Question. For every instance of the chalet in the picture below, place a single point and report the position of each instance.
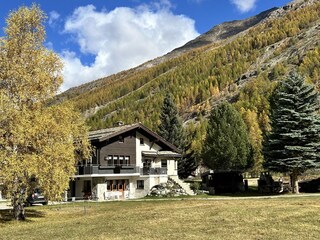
(128, 160)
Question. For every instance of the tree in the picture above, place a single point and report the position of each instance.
(250, 118)
(292, 146)
(226, 145)
(188, 163)
(170, 127)
(37, 141)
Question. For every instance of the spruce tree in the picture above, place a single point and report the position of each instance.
(188, 164)
(226, 146)
(170, 127)
(293, 144)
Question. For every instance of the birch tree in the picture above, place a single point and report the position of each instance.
(37, 141)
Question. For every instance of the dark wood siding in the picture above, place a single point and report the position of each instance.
(114, 147)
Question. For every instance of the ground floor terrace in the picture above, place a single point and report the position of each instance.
(110, 187)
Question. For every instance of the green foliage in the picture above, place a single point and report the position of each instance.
(227, 143)
(293, 144)
(188, 164)
(170, 127)
(195, 186)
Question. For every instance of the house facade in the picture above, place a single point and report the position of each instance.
(127, 161)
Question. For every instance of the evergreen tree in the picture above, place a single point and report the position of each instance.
(170, 127)
(188, 164)
(293, 144)
(227, 143)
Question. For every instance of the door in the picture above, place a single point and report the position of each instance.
(86, 189)
(118, 187)
(72, 187)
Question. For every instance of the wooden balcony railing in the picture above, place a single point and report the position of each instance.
(119, 169)
(103, 169)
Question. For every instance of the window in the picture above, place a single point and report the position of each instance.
(87, 186)
(114, 185)
(121, 159)
(140, 184)
(115, 160)
(110, 161)
(164, 163)
(126, 160)
(141, 141)
(147, 163)
(109, 183)
(120, 185)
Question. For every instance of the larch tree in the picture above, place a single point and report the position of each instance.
(37, 141)
(292, 146)
(250, 118)
(227, 145)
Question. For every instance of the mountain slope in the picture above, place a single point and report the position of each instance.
(217, 65)
(216, 34)
(225, 30)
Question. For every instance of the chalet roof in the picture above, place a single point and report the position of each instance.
(108, 133)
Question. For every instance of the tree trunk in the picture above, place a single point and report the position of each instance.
(294, 182)
(18, 207)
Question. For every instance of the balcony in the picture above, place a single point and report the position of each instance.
(153, 171)
(119, 169)
(103, 169)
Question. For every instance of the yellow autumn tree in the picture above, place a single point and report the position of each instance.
(37, 142)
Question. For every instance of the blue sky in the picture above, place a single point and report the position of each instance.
(100, 37)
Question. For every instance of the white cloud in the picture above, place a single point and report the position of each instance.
(121, 39)
(244, 5)
(53, 17)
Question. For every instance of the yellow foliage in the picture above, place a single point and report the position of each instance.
(36, 141)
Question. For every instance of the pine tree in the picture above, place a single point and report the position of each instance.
(293, 144)
(36, 141)
(227, 143)
(170, 127)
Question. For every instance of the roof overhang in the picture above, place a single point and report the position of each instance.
(161, 154)
(107, 134)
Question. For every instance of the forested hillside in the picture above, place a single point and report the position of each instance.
(241, 68)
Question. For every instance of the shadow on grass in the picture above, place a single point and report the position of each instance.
(6, 215)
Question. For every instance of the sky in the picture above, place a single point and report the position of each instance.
(98, 38)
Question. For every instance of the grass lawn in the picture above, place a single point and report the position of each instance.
(273, 218)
